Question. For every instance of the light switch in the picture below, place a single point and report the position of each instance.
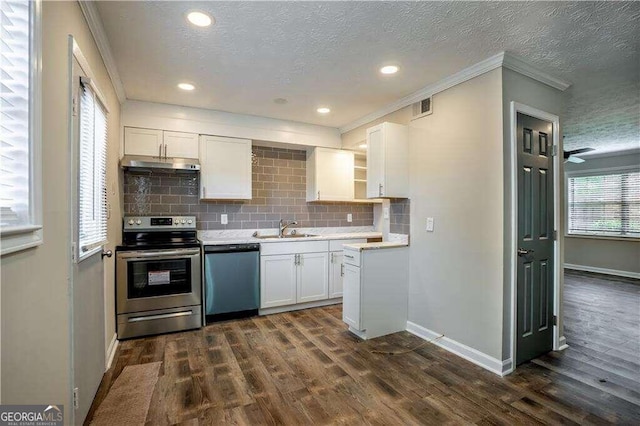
(385, 212)
(349, 217)
(224, 219)
(429, 224)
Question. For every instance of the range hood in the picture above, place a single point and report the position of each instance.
(147, 162)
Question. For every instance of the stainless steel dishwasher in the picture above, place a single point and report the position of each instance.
(231, 281)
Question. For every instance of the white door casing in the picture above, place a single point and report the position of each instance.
(559, 341)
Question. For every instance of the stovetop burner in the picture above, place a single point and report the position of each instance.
(159, 232)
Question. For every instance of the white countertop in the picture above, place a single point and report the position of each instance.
(244, 236)
(375, 246)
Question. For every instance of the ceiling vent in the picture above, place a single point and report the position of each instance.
(422, 108)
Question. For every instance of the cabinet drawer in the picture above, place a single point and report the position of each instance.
(336, 245)
(352, 257)
(272, 248)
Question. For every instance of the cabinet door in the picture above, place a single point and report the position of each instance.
(375, 162)
(277, 280)
(225, 168)
(334, 175)
(313, 277)
(142, 142)
(335, 274)
(180, 145)
(351, 298)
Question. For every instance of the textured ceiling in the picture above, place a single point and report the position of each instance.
(328, 53)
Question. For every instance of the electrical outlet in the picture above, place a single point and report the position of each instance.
(429, 224)
(349, 218)
(224, 219)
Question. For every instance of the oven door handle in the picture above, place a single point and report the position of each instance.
(161, 316)
(157, 254)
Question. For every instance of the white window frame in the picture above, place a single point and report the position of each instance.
(587, 173)
(31, 235)
(79, 254)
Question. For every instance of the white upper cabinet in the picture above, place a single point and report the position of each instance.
(180, 145)
(330, 175)
(225, 168)
(159, 143)
(388, 161)
(142, 142)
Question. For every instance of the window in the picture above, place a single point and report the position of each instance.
(92, 190)
(605, 204)
(20, 211)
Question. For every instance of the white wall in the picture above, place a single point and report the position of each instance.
(219, 123)
(456, 170)
(35, 288)
(616, 255)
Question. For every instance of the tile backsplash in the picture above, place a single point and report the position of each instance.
(279, 191)
(399, 217)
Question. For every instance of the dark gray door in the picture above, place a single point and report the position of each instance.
(535, 238)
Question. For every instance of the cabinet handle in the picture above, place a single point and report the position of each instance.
(331, 258)
(165, 151)
(160, 151)
(342, 269)
(295, 259)
(348, 256)
(318, 195)
(380, 190)
(204, 192)
(300, 259)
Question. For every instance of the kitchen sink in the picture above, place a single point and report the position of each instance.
(275, 237)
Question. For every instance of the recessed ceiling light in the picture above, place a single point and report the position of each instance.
(323, 110)
(362, 145)
(389, 69)
(199, 19)
(186, 86)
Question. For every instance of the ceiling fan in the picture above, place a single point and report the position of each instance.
(570, 156)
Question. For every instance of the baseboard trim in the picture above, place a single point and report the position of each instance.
(485, 361)
(111, 351)
(616, 272)
(280, 309)
(562, 343)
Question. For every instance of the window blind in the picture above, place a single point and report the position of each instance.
(606, 204)
(92, 191)
(15, 113)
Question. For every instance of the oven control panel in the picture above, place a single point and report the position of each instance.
(159, 222)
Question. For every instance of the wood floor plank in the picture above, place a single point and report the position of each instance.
(304, 367)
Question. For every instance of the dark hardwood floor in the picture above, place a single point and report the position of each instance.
(305, 368)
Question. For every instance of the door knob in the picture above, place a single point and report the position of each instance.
(107, 253)
(524, 252)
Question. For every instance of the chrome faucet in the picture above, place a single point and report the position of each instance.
(284, 226)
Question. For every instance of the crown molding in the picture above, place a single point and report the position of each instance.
(502, 59)
(100, 36)
(518, 65)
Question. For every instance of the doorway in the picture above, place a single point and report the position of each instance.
(87, 270)
(535, 248)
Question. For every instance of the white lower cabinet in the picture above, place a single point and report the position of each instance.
(295, 273)
(278, 280)
(376, 290)
(313, 279)
(351, 300)
(336, 272)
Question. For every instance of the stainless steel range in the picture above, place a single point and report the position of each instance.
(158, 276)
